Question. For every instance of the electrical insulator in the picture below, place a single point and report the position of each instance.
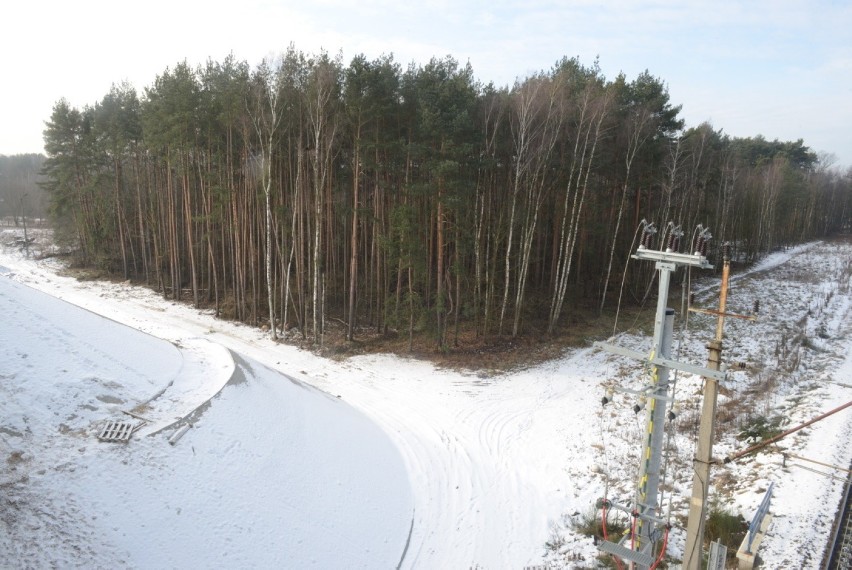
(701, 245)
(702, 238)
(726, 251)
(691, 299)
(648, 232)
(674, 411)
(640, 405)
(756, 308)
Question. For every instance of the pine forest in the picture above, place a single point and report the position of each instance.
(413, 200)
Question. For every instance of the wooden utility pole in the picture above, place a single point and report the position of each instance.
(692, 554)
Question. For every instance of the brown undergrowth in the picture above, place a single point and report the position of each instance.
(464, 349)
(467, 350)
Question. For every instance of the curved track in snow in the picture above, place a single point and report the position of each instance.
(475, 449)
(273, 474)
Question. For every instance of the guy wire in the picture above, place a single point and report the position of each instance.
(624, 278)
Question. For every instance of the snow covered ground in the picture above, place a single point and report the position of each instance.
(392, 461)
(272, 474)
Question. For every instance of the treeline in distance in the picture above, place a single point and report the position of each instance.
(415, 199)
(20, 192)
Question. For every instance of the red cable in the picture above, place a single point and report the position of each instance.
(662, 550)
(633, 531)
(603, 526)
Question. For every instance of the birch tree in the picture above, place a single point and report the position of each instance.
(322, 96)
(592, 106)
(266, 111)
(646, 115)
(536, 125)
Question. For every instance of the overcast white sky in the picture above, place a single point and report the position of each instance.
(779, 68)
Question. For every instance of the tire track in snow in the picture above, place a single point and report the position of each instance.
(470, 448)
(205, 370)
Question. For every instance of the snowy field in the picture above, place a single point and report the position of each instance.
(377, 461)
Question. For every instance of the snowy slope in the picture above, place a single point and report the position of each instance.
(499, 464)
(272, 474)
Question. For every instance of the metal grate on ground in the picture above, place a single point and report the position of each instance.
(114, 431)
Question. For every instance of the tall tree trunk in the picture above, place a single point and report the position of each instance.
(439, 266)
(353, 245)
(638, 132)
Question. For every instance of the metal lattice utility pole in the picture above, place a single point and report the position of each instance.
(640, 551)
(651, 458)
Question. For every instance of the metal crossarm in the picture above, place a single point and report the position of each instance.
(662, 361)
(625, 553)
(672, 257)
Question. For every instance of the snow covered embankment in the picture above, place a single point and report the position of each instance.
(273, 474)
